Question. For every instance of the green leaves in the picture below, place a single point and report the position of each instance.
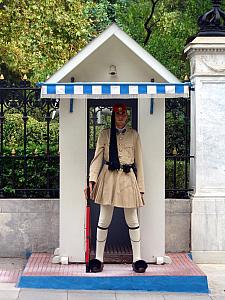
(175, 21)
(38, 39)
(36, 135)
(37, 170)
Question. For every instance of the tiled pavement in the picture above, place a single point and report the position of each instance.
(39, 264)
(11, 269)
(34, 294)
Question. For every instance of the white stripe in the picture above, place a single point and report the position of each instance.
(151, 89)
(133, 90)
(44, 90)
(60, 89)
(96, 89)
(186, 89)
(115, 90)
(170, 89)
(78, 89)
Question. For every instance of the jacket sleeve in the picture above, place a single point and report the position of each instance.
(96, 162)
(139, 164)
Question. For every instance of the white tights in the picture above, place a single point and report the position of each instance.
(105, 217)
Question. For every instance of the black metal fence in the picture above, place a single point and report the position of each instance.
(29, 155)
(177, 151)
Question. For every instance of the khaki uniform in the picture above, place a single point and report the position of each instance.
(118, 188)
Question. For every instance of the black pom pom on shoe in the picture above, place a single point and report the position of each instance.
(96, 265)
(139, 266)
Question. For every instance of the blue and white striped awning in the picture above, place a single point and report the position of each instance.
(114, 90)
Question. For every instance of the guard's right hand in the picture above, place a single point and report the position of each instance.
(91, 186)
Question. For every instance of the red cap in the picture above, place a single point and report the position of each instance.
(119, 108)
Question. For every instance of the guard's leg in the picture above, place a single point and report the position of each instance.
(104, 221)
(131, 217)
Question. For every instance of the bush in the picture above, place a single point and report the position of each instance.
(36, 135)
(178, 167)
(29, 167)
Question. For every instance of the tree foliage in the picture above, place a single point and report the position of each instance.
(175, 21)
(36, 135)
(37, 38)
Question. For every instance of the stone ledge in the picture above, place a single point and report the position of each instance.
(178, 206)
(32, 225)
(29, 205)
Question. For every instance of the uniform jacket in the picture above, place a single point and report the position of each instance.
(118, 188)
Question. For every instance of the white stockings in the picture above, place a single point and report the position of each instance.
(104, 221)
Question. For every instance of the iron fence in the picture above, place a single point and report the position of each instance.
(29, 158)
(177, 149)
(29, 155)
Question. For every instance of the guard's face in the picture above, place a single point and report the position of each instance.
(121, 119)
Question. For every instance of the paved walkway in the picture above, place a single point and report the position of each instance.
(8, 292)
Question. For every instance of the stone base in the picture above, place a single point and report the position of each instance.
(182, 275)
(207, 229)
(208, 257)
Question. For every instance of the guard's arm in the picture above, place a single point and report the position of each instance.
(139, 164)
(96, 162)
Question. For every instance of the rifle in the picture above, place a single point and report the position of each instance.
(88, 230)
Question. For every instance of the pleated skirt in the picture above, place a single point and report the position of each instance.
(117, 188)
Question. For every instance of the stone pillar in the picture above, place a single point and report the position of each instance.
(207, 59)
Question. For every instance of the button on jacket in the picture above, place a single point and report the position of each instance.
(118, 188)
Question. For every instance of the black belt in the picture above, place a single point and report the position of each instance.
(125, 167)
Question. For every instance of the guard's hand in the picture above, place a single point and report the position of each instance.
(91, 186)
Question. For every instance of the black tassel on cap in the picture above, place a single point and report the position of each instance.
(114, 163)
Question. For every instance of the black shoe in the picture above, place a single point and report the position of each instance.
(96, 265)
(139, 266)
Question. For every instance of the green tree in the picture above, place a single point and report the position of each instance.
(39, 37)
(175, 21)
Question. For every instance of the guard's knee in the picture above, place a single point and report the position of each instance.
(105, 216)
(131, 217)
(103, 223)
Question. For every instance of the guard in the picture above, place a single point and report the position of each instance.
(119, 184)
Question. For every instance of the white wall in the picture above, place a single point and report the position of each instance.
(129, 66)
(72, 179)
(207, 56)
(152, 215)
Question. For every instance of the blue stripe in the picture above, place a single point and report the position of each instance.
(188, 284)
(124, 89)
(179, 89)
(88, 89)
(160, 89)
(69, 89)
(106, 89)
(142, 89)
(51, 89)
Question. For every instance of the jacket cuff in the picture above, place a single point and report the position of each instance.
(93, 177)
